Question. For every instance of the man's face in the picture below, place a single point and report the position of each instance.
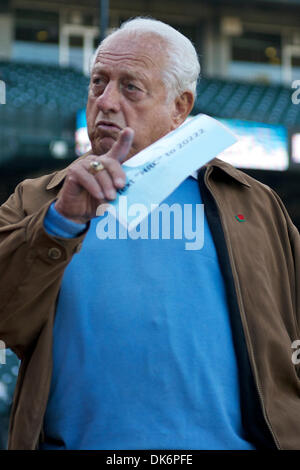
(126, 90)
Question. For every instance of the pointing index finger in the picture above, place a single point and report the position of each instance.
(121, 147)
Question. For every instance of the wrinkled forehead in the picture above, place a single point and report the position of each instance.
(139, 49)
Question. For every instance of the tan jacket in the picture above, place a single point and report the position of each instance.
(260, 259)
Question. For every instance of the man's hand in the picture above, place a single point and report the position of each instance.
(83, 192)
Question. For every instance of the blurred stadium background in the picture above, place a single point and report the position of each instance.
(250, 58)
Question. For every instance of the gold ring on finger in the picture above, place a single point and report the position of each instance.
(95, 167)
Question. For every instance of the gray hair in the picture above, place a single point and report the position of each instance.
(182, 69)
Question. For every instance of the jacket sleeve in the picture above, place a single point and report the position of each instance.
(32, 264)
(295, 245)
(294, 239)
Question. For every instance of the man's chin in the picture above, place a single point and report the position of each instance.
(104, 145)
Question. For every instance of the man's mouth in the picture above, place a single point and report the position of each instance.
(108, 126)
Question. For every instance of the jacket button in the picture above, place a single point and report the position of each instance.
(54, 253)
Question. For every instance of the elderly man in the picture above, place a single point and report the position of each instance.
(140, 344)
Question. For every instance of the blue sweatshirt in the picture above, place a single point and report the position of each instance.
(143, 351)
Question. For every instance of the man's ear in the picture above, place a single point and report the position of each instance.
(183, 105)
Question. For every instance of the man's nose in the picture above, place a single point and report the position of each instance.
(109, 100)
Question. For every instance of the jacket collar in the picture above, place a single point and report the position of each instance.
(60, 175)
(230, 170)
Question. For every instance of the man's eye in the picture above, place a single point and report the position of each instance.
(131, 87)
(97, 81)
(98, 85)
